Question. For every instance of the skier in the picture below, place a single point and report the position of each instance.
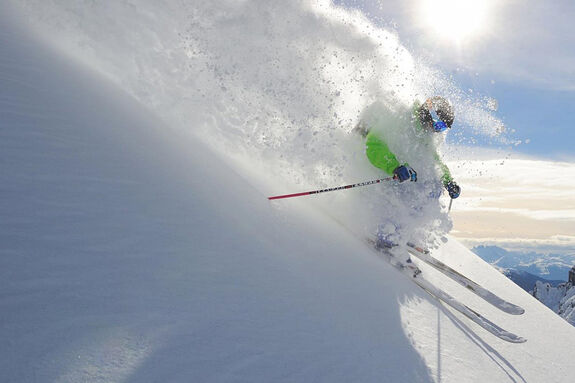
(412, 136)
(435, 115)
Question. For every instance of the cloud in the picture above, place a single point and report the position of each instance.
(554, 245)
(528, 41)
(515, 201)
(533, 43)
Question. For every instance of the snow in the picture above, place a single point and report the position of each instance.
(567, 310)
(545, 266)
(135, 252)
(560, 299)
(273, 83)
(550, 296)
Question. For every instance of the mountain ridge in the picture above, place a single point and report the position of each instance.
(545, 266)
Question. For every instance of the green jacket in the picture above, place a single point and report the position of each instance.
(382, 157)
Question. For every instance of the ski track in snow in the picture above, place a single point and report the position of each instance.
(133, 253)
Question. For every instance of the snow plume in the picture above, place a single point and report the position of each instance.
(275, 83)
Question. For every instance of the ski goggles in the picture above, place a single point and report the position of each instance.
(439, 126)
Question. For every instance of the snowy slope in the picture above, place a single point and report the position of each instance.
(132, 252)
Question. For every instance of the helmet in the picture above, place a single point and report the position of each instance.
(440, 117)
(444, 110)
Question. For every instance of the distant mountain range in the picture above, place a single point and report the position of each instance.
(548, 267)
(527, 280)
(546, 277)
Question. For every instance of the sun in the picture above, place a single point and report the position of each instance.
(456, 20)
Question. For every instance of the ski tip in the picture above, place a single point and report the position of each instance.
(512, 338)
(512, 309)
(520, 311)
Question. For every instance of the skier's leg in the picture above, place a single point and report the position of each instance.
(389, 238)
(387, 235)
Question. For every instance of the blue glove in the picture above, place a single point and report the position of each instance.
(404, 173)
(453, 189)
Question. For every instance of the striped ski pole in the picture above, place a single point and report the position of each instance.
(331, 189)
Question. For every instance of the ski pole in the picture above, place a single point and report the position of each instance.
(331, 189)
(450, 203)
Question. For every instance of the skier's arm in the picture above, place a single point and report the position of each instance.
(380, 155)
(444, 170)
(452, 188)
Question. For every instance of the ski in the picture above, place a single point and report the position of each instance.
(447, 299)
(464, 281)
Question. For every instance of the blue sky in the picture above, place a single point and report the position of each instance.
(543, 116)
(523, 56)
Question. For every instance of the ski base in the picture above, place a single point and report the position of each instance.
(469, 284)
(447, 299)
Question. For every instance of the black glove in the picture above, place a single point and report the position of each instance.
(404, 173)
(453, 189)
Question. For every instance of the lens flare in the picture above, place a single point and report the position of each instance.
(456, 20)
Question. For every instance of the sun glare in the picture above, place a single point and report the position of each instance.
(456, 20)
